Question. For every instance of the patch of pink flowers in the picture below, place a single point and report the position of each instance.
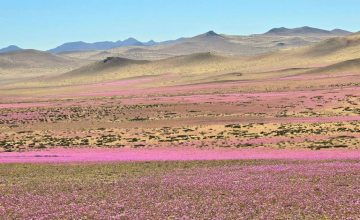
(172, 154)
(257, 190)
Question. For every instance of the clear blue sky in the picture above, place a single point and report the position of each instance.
(44, 24)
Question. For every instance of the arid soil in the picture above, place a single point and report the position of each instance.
(302, 112)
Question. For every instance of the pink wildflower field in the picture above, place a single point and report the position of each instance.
(173, 154)
(278, 148)
(320, 188)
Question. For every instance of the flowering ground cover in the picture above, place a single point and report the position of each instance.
(226, 146)
(293, 119)
(183, 153)
(230, 189)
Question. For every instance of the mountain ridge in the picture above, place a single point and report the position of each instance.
(10, 48)
(335, 55)
(306, 30)
(106, 45)
(324, 53)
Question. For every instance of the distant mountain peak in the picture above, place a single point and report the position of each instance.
(10, 48)
(337, 29)
(211, 34)
(131, 38)
(278, 29)
(341, 32)
(306, 30)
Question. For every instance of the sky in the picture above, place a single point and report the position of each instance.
(45, 24)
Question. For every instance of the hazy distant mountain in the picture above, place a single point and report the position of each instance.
(341, 32)
(93, 46)
(222, 44)
(10, 48)
(232, 45)
(130, 42)
(344, 50)
(154, 43)
(306, 31)
(74, 46)
(211, 34)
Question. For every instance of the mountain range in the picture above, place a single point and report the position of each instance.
(222, 44)
(107, 45)
(335, 55)
(200, 58)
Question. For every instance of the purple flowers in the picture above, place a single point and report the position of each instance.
(248, 189)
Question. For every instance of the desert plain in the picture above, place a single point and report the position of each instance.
(204, 135)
